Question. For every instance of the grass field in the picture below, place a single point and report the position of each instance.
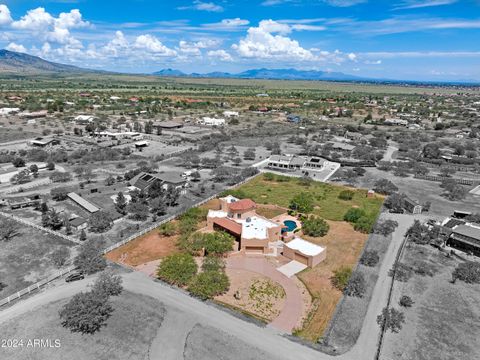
(26, 259)
(325, 196)
(128, 334)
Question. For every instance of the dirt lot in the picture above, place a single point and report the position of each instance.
(443, 321)
(344, 246)
(258, 294)
(128, 334)
(26, 259)
(149, 247)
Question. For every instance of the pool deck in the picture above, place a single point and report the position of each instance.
(285, 217)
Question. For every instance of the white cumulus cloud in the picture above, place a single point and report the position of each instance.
(5, 17)
(221, 55)
(16, 47)
(151, 44)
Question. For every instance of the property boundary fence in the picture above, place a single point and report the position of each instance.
(441, 178)
(38, 227)
(36, 286)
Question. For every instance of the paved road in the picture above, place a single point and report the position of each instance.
(187, 311)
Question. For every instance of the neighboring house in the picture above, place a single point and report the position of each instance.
(229, 114)
(466, 237)
(141, 144)
(212, 121)
(315, 163)
(398, 122)
(167, 125)
(119, 135)
(352, 135)
(44, 142)
(34, 115)
(286, 162)
(412, 206)
(83, 119)
(144, 181)
(78, 223)
(8, 111)
(237, 217)
(83, 203)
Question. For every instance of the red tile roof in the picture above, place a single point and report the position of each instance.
(229, 225)
(245, 204)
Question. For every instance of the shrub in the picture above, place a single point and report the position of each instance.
(356, 285)
(346, 195)
(391, 319)
(100, 222)
(59, 193)
(167, 229)
(177, 269)
(268, 176)
(402, 272)
(60, 256)
(218, 243)
(108, 284)
(370, 258)
(468, 272)
(385, 187)
(386, 227)
(208, 284)
(364, 224)
(90, 257)
(315, 226)
(213, 263)
(406, 301)
(340, 277)
(302, 202)
(353, 215)
(86, 312)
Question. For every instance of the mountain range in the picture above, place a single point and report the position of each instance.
(274, 74)
(16, 63)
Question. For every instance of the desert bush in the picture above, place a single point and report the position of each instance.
(346, 195)
(356, 285)
(177, 269)
(406, 301)
(208, 284)
(340, 277)
(468, 271)
(370, 258)
(315, 226)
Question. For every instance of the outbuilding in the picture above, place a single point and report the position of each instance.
(304, 252)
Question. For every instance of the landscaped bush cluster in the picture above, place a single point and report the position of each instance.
(370, 258)
(213, 243)
(346, 195)
(361, 221)
(315, 226)
(340, 278)
(356, 285)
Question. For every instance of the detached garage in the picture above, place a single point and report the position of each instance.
(304, 252)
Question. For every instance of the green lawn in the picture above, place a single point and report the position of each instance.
(282, 189)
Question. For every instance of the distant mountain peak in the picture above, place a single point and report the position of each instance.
(264, 73)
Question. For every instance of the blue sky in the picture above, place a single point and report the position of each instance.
(397, 39)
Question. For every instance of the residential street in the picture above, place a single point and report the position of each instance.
(183, 312)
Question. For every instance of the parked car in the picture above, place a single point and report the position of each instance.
(74, 277)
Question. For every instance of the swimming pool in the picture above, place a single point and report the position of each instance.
(290, 224)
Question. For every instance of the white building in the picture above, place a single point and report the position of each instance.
(8, 111)
(84, 118)
(212, 121)
(229, 114)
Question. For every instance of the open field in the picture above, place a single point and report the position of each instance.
(128, 334)
(443, 321)
(27, 258)
(344, 246)
(325, 196)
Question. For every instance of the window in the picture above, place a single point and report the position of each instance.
(239, 216)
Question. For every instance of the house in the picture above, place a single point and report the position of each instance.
(286, 162)
(78, 223)
(8, 111)
(34, 115)
(44, 142)
(253, 233)
(144, 181)
(212, 121)
(412, 206)
(466, 237)
(85, 204)
(167, 125)
(141, 144)
(353, 135)
(315, 163)
(83, 119)
(398, 122)
(304, 252)
(230, 114)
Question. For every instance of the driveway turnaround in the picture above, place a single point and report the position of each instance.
(291, 314)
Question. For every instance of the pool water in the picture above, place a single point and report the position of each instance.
(290, 224)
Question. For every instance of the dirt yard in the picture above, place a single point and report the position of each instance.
(258, 295)
(149, 247)
(443, 321)
(344, 246)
